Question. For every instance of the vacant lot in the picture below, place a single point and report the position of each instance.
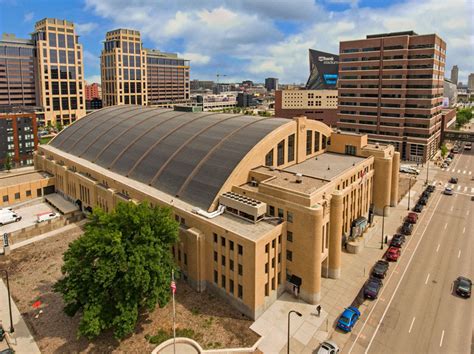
(36, 267)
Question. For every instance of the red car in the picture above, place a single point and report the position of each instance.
(392, 254)
(412, 218)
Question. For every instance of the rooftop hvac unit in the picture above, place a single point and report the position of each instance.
(299, 178)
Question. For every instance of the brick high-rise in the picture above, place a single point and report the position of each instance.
(391, 87)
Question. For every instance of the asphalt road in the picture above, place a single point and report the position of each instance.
(418, 311)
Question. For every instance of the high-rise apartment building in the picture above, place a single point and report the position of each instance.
(93, 91)
(271, 83)
(470, 82)
(455, 74)
(167, 78)
(123, 68)
(60, 71)
(17, 73)
(391, 88)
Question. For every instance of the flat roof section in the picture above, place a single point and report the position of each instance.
(15, 179)
(326, 166)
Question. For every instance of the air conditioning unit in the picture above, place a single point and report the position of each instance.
(299, 178)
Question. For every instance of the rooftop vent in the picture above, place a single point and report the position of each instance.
(299, 178)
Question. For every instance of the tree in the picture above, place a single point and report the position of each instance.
(444, 150)
(463, 116)
(59, 126)
(120, 266)
(8, 162)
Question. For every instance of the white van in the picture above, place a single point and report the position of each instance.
(6, 210)
(46, 216)
(7, 218)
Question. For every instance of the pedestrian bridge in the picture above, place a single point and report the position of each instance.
(457, 135)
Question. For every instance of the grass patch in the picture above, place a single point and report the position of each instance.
(43, 141)
(195, 311)
(163, 335)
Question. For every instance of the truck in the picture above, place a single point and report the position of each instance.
(7, 218)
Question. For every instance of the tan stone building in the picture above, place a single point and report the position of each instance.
(263, 203)
(60, 71)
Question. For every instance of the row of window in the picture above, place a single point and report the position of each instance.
(17, 195)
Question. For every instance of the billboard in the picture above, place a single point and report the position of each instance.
(323, 70)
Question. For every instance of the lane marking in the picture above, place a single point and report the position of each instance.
(463, 230)
(470, 172)
(459, 254)
(465, 189)
(411, 326)
(459, 171)
(437, 248)
(452, 208)
(427, 277)
(459, 187)
(441, 341)
(445, 226)
(396, 288)
(463, 172)
(467, 213)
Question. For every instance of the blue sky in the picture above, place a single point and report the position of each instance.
(249, 39)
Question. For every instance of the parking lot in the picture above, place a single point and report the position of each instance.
(28, 216)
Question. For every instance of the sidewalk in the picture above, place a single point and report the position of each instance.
(21, 341)
(336, 294)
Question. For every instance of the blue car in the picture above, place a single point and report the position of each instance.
(348, 319)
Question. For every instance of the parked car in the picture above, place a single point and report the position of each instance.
(463, 287)
(393, 253)
(7, 218)
(46, 216)
(444, 165)
(412, 217)
(348, 319)
(448, 191)
(407, 228)
(423, 200)
(397, 241)
(372, 288)
(418, 208)
(453, 180)
(328, 347)
(431, 188)
(380, 269)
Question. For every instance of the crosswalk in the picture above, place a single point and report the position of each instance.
(456, 187)
(456, 170)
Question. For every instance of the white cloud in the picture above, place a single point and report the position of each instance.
(91, 60)
(242, 38)
(196, 58)
(28, 16)
(93, 78)
(85, 28)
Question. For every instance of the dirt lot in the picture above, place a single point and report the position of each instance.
(35, 268)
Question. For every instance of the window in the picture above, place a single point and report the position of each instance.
(289, 255)
(266, 267)
(240, 269)
(309, 142)
(215, 237)
(231, 264)
(17, 195)
(269, 158)
(267, 248)
(28, 193)
(231, 245)
(271, 210)
(289, 236)
(240, 292)
(323, 145)
(289, 216)
(280, 213)
(350, 150)
(62, 56)
(231, 286)
(71, 57)
(53, 56)
(316, 141)
(222, 241)
(266, 289)
(215, 276)
(38, 193)
(240, 249)
(52, 39)
(273, 243)
(5, 198)
(215, 256)
(70, 41)
(223, 260)
(223, 281)
(291, 148)
(281, 153)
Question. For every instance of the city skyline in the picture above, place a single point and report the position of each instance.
(249, 41)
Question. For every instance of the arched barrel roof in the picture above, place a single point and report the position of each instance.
(189, 155)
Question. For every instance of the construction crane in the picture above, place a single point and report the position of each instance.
(218, 76)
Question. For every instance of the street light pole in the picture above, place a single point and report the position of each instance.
(289, 313)
(427, 169)
(383, 224)
(12, 329)
(409, 192)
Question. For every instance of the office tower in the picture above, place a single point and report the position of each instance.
(17, 73)
(18, 138)
(271, 84)
(167, 78)
(123, 68)
(470, 82)
(455, 74)
(60, 71)
(391, 88)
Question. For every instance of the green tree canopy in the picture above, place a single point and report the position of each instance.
(463, 116)
(7, 162)
(120, 266)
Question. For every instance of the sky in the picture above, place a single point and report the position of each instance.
(250, 39)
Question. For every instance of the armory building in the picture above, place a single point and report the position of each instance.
(263, 203)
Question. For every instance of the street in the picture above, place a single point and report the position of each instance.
(418, 311)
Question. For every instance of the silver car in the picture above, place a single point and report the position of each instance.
(328, 347)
